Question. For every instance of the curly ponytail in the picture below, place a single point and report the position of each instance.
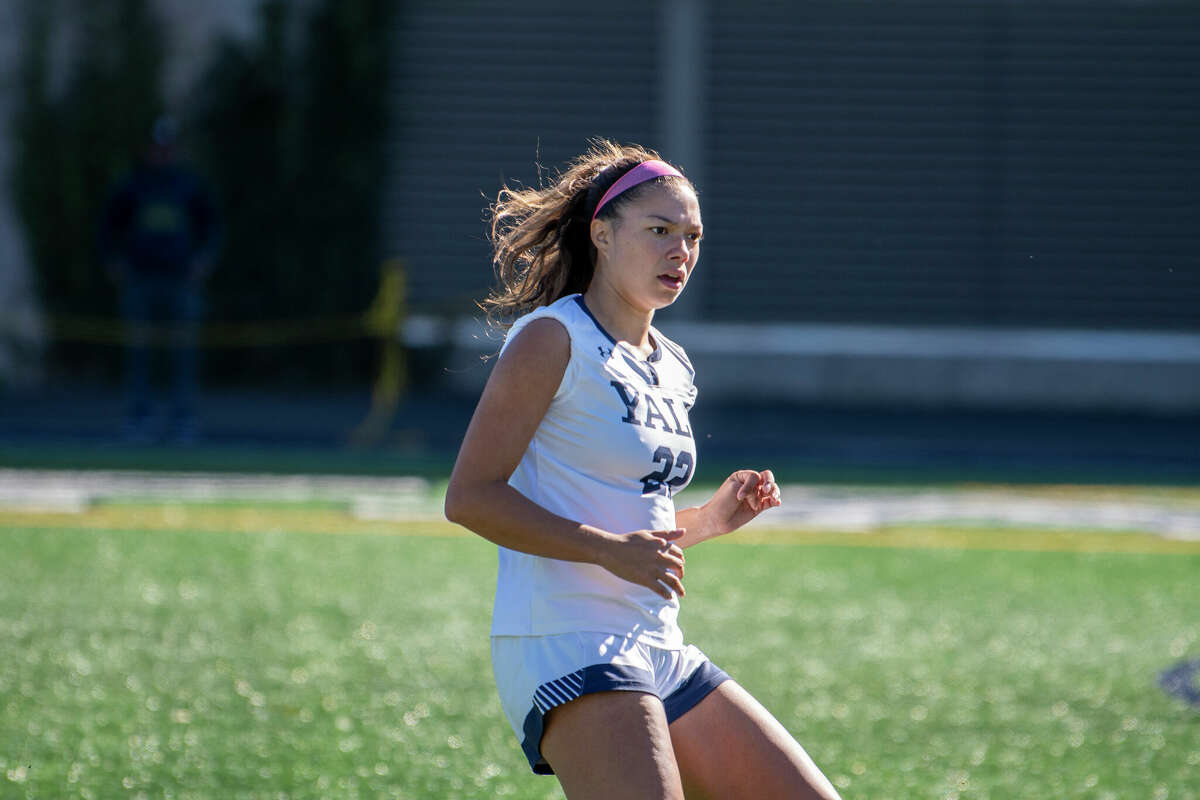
(541, 237)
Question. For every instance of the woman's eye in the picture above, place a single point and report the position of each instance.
(659, 229)
(695, 237)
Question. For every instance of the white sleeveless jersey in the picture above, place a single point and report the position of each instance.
(613, 449)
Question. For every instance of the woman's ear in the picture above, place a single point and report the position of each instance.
(601, 233)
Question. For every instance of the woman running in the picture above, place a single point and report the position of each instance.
(578, 445)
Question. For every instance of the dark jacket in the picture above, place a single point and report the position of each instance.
(159, 222)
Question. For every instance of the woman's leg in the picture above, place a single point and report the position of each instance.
(728, 745)
(612, 744)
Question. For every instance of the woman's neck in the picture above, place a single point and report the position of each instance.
(622, 321)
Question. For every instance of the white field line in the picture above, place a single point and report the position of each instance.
(76, 490)
(829, 508)
(863, 509)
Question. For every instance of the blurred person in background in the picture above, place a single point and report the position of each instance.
(571, 463)
(159, 238)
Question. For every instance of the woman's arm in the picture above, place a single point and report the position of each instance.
(743, 496)
(516, 397)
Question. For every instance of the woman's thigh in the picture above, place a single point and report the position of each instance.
(612, 744)
(730, 746)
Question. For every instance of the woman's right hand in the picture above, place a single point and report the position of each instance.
(478, 497)
(647, 558)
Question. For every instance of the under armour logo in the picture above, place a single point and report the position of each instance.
(605, 352)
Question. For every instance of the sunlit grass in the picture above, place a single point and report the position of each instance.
(233, 651)
(934, 673)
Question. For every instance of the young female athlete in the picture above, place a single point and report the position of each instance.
(570, 463)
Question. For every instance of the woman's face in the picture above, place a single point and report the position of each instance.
(647, 252)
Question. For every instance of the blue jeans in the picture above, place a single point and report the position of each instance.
(161, 315)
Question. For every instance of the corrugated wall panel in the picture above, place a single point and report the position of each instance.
(1000, 164)
(481, 91)
(1013, 164)
(1101, 211)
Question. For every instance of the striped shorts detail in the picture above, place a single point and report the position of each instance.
(557, 692)
(535, 674)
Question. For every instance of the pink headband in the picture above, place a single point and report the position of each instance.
(645, 171)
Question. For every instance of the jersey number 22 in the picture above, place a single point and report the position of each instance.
(661, 479)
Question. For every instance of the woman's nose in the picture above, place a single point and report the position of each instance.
(679, 250)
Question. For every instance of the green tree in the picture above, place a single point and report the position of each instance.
(71, 144)
(293, 139)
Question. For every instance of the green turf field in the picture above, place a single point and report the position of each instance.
(231, 651)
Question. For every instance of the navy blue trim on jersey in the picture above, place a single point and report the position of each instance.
(655, 356)
(647, 371)
(589, 680)
(610, 678)
(588, 311)
(708, 676)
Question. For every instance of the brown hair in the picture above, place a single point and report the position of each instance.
(541, 237)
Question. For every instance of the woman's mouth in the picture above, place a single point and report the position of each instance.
(671, 281)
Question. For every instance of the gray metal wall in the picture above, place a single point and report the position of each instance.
(481, 92)
(995, 164)
(1010, 164)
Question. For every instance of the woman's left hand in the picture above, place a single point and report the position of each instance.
(743, 496)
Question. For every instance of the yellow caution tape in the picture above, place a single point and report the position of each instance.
(97, 330)
(381, 320)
